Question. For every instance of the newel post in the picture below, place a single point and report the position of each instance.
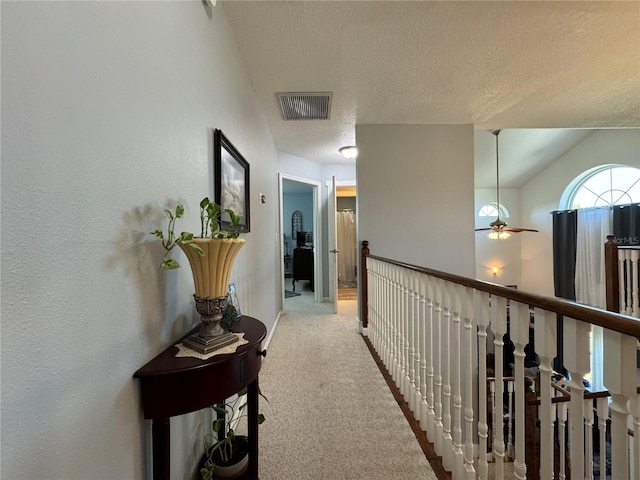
(364, 304)
(611, 274)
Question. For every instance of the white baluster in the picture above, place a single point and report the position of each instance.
(431, 345)
(509, 450)
(467, 312)
(576, 350)
(602, 410)
(545, 340)
(437, 365)
(417, 395)
(635, 451)
(562, 428)
(372, 303)
(499, 328)
(622, 280)
(425, 346)
(397, 325)
(519, 319)
(410, 345)
(635, 310)
(407, 326)
(483, 428)
(456, 384)
(588, 440)
(389, 333)
(447, 457)
(619, 368)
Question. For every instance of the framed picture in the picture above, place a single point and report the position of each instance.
(232, 298)
(231, 180)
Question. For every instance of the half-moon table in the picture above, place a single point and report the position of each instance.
(171, 386)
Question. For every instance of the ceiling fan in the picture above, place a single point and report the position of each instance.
(498, 229)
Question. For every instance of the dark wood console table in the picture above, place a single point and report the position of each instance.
(171, 386)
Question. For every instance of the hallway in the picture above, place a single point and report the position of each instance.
(330, 413)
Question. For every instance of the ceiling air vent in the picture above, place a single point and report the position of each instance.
(305, 106)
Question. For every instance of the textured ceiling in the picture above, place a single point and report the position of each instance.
(504, 64)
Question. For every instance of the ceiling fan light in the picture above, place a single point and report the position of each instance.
(498, 235)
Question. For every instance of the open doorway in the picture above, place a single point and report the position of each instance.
(347, 242)
(301, 239)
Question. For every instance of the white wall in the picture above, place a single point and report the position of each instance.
(107, 117)
(541, 195)
(416, 194)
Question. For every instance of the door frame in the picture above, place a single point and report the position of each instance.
(317, 235)
(332, 218)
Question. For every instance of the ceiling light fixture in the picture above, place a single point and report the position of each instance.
(498, 228)
(349, 152)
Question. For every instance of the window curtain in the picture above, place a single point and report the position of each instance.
(565, 229)
(346, 230)
(626, 224)
(626, 229)
(594, 224)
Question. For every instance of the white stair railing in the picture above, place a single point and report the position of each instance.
(434, 331)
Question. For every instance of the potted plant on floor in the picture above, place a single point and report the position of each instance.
(211, 258)
(228, 457)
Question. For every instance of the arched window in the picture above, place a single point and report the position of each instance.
(491, 210)
(602, 186)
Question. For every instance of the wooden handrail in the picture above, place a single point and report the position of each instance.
(610, 320)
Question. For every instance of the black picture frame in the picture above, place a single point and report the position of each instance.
(231, 180)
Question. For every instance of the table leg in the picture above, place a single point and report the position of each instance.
(252, 428)
(161, 440)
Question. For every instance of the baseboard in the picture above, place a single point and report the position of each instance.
(270, 336)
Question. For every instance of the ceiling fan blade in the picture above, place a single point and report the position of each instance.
(518, 230)
(483, 229)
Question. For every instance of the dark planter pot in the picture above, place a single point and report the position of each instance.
(236, 466)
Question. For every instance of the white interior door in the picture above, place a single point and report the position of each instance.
(333, 246)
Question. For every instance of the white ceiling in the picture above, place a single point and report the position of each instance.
(494, 64)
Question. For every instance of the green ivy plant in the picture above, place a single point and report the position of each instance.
(210, 213)
(226, 412)
(229, 317)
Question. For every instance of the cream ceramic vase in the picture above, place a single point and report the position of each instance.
(212, 270)
(211, 273)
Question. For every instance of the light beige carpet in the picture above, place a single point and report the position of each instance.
(330, 414)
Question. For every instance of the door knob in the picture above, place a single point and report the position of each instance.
(334, 251)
